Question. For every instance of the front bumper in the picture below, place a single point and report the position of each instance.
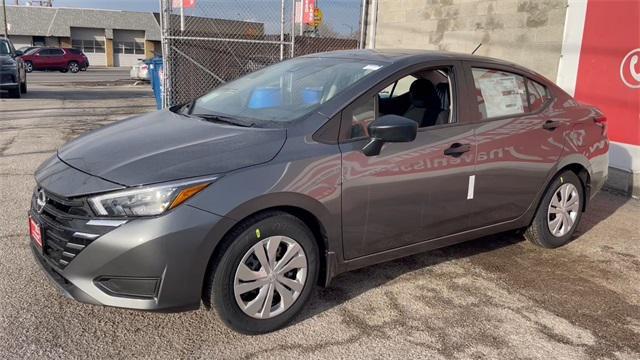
(173, 249)
(9, 78)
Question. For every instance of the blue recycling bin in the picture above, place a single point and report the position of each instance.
(156, 75)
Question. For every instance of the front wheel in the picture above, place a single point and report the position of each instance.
(28, 66)
(559, 212)
(265, 273)
(73, 67)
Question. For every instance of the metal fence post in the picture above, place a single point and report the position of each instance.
(281, 30)
(363, 24)
(165, 24)
(293, 28)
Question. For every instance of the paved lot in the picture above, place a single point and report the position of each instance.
(496, 297)
(91, 75)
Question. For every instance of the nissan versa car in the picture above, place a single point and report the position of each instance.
(249, 196)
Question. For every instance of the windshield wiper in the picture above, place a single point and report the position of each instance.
(225, 119)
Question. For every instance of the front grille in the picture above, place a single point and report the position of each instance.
(65, 229)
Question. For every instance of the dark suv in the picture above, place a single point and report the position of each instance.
(249, 196)
(48, 58)
(13, 76)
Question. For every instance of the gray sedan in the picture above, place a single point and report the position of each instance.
(249, 196)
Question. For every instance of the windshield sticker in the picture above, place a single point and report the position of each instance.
(372, 67)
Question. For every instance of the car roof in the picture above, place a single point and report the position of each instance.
(407, 55)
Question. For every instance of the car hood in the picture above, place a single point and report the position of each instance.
(164, 146)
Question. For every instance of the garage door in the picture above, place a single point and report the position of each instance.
(128, 47)
(91, 42)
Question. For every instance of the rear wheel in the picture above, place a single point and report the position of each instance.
(559, 212)
(73, 67)
(265, 273)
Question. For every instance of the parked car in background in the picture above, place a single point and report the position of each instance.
(48, 58)
(26, 49)
(139, 71)
(13, 75)
(249, 196)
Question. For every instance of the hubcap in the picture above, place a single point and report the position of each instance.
(29, 66)
(74, 67)
(563, 210)
(270, 277)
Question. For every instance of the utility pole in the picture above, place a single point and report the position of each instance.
(6, 28)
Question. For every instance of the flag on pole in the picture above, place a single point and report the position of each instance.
(185, 4)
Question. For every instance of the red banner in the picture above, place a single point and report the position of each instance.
(308, 9)
(609, 69)
(185, 4)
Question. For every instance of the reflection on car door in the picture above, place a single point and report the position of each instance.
(520, 138)
(410, 192)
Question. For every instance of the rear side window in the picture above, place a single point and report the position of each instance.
(538, 95)
(499, 93)
(74, 51)
(56, 52)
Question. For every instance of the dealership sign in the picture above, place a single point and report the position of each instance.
(609, 66)
(630, 69)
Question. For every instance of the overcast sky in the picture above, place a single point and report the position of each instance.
(341, 15)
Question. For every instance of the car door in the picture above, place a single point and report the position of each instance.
(520, 138)
(57, 59)
(40, 58)
(410, 192)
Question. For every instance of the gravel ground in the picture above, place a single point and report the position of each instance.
(496, 297)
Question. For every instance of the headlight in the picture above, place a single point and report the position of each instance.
(146, 201)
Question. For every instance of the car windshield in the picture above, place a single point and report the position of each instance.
(5, 49)
(285, 91)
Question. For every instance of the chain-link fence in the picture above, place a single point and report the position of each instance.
(209, 42)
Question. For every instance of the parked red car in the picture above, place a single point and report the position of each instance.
(47, 58)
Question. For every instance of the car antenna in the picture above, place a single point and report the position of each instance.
(476, 49)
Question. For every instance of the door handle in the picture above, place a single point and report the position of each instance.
(551, 124)
(457, 149)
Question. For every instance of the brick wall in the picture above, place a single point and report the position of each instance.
(527, 32)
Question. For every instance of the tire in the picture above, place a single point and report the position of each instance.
(15, 92)
(28, 66)
(552, 227)
(284, 231)
(73, 67)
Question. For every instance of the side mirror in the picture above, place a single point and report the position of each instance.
(389, 128)
(19, 53)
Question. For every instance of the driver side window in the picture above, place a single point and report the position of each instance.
(423, 96)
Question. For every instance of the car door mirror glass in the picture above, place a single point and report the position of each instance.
(389, 128)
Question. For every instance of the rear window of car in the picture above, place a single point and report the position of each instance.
(52, 52)
(538, 95)
(500, 93)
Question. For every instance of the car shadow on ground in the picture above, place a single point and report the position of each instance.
(352, 284)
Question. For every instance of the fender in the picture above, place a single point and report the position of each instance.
(567, 160)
